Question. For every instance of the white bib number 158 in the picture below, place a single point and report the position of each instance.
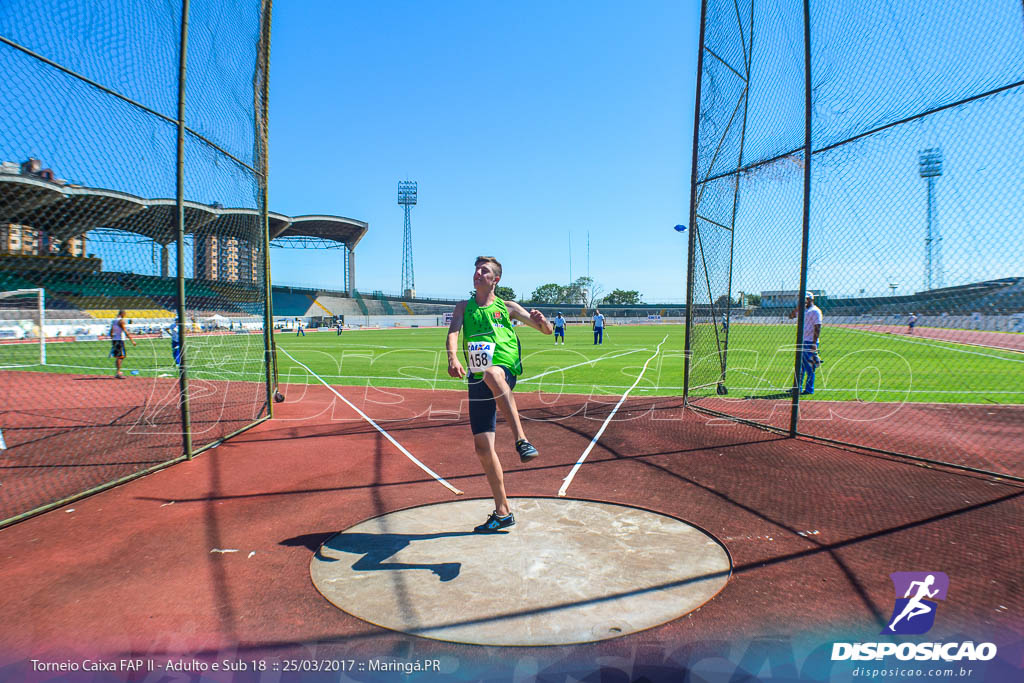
(481, 356)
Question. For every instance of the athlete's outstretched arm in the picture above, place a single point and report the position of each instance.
(534, 318)
(451, 344)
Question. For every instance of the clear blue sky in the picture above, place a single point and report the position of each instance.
(525, 122)
(521, 122)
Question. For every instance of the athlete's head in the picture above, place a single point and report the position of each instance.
(488, 270)
(810, 299)
(120, 313)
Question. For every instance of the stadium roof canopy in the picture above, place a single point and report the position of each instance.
(68, 211)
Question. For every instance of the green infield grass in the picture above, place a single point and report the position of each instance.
(858, 365)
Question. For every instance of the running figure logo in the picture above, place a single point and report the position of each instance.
(916, 595)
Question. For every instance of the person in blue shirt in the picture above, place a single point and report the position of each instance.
(173, 332)
(559, 323)
(598, 325)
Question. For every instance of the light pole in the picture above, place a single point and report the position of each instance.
(930, 168)
(407, 190)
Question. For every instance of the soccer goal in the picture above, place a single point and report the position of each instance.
(23, 327)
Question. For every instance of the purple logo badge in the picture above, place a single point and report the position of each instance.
(916, 601)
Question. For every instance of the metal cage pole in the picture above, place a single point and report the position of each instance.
(186, 417)
(691, 242)
(794, 417)
(268, 306)
(736, 199)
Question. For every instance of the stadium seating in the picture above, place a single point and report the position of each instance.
(292, 303)
(385, 304)
(360, 302)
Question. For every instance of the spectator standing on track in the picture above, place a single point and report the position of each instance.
(911, 322)
(118, 333)
(173, 331)
(494, 355)
(598, 325)
(559, 322)
(809, 359)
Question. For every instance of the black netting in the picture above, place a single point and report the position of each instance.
(913, 240)
(89, 228)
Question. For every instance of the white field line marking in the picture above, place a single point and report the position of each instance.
(937, 346)
(586, 362)
(593, 442)
(378, 428)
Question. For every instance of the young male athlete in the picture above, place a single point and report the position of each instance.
(118, 333)
(495, 361)
(911, 321)
(559, 322)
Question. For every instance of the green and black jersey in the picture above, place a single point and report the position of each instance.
(492, 324)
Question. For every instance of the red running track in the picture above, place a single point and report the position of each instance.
(813, 533)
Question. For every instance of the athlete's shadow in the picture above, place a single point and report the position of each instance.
(375, 548)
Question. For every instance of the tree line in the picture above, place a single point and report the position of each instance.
(581, 292)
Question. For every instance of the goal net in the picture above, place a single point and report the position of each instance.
(22, 327)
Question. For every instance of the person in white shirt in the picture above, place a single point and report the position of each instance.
(809, 359)
(911, 322)
(118, 333)
(598, 325)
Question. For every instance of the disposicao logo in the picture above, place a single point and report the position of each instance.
(913, 613)
(916, 595)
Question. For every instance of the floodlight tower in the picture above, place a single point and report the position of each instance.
(407, 199)
(930, 167)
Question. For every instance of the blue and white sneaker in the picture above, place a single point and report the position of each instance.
(495, 523)
(526, 450)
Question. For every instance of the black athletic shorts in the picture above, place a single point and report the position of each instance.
(117, 348)
(483, 411)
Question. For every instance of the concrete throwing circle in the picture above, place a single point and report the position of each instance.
(569, 571)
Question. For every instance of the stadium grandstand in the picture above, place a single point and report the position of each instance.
(45, 225)
(1001, 302)
(42, 213)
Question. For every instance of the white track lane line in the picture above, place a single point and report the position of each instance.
(579, 463)
(586, 362)
(378, 428)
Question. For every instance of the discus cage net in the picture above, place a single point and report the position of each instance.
(133, 178)
(868, 153)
